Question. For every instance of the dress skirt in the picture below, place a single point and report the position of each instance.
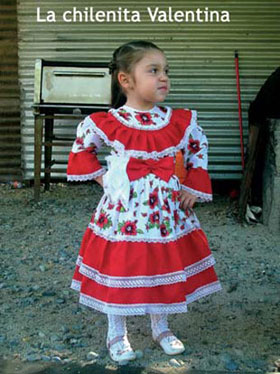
(150, 258)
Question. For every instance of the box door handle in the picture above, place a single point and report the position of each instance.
(95, 74)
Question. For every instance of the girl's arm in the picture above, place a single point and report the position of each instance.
(197, 184)
(83, 163)
(99, 180)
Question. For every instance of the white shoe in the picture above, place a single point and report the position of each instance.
(120, 349)
(169, 343)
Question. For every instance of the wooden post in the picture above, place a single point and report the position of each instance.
(48, 151)
(249, 170)
(38, 136)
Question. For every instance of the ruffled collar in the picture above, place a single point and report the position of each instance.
(153, 119)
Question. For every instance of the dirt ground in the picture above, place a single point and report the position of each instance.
(45, 330)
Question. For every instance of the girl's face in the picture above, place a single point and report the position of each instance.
(148, 83)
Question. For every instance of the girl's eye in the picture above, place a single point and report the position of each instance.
(154, 70)
(166, 71)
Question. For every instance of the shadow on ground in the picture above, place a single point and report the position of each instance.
(7, 367)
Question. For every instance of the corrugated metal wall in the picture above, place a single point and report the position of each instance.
(201, 56)
(10, 139)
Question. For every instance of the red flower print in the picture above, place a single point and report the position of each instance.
(144, 118)
(175, 195)
(189, 165)
(176, 217)
(182, 227)
(131, 193)
(125, 115)
(154, 217)
(194, 146)
(166, 205)
(153, 199)
(129, 228)
(119, 207)
(80, 141)
(163, 230)
(163, 109)
(200, 156)
(110, 206)
(102, 220)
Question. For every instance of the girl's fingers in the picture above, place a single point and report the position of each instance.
(188, 202)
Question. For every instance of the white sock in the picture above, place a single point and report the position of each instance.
(159, 323)
(116, 326)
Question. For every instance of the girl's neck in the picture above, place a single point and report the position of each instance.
(140, 108)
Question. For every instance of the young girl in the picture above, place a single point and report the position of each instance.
(143, 251)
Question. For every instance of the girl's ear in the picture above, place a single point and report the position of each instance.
(124, 80)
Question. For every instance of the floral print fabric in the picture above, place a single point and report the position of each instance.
(153, 214)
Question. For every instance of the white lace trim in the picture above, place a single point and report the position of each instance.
(204, 291)
(85, 177)
(145, 281)
(143, 238)
(133, 123)
(200, 266)
(140, 309)
(132, 309)
(202, 196)
(130, 281)
(119, 147)
(76, 285)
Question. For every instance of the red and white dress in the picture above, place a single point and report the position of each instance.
(146, 255)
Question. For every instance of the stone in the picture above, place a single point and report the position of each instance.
(174, 363)
(42, 268)
(64, 329)
(139, 354)
(49, 292)
(229, 363)
(2, 339)
(33, 357)
(56, 359)
(54, 338)
(59, 347)
(60, 301)
(92, 356)
(232, 287)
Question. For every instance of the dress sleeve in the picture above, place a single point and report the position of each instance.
(83, 163)
(197, 180)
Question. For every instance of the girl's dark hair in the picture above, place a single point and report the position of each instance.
(124, 59)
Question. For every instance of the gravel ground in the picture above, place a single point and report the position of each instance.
(43, 326)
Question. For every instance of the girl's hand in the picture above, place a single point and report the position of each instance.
(187, 200)
(99, 180)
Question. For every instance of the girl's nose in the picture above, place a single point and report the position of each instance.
(164, 76)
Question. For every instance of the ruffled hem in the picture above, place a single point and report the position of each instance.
(144, 281)
(202, 197)
(146, 308)
(136, 143)
(85, 177)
